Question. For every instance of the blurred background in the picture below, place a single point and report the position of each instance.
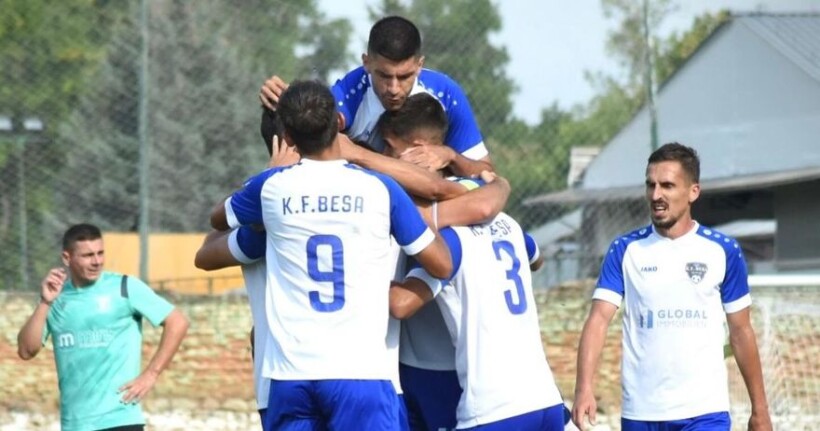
(139, 116)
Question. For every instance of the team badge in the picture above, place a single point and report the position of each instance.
(696, 271)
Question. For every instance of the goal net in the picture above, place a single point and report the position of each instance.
(786, 319)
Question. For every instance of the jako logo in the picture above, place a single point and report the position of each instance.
(649, 269)
(65, 340)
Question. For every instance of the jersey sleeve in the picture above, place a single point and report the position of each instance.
(463, 134)
(349, 92)
(147, 303)
(734, 290)
(244, 207)
(610, 285)
(436, 284)
(247, 245)
(533, 252)
(406, 224)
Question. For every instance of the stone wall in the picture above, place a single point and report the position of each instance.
(212, 371)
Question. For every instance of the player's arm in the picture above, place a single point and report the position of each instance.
(159, 312)
(435, 258)
(408, 296)
(219, 218)
(533, 252)
(744, 347)
(175, 326)
(417, 181)
(30, 338)
(225, 249)
(476, 206)
(589, 353)
(437, 157)
(419, 287)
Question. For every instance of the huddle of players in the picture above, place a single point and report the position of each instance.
(372, 311)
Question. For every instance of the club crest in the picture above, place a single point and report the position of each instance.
(696, 271)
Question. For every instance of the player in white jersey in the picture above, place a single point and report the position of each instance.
(246, 247)
(679, 282)
(393, 70)
(329, 226)
(428, 357)
(489, 309)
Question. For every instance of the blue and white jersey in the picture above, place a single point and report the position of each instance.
(248, 247)
(328, 252)
(357, 101)
(489, 309)
(675, 294)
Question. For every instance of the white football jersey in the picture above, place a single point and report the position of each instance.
(250, 252)
(490, 311)
(329, 227)
(675, 294)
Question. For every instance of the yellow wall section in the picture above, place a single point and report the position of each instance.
(170, 262)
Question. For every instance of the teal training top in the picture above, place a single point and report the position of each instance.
(97, 336)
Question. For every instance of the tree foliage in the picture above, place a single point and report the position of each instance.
(203, 75)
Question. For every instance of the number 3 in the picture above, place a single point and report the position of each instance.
(512, 274)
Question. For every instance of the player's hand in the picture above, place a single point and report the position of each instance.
(760, 422)
(135, 391)
(282, 154)
(350, 151)
(584, 405)
(271, 90)
(488, 176)
(430, 157)
(52, 285)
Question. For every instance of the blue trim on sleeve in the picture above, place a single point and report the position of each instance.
(454, 243)
(251, 242)
(349, 93)
(612, 274)
(462, 133)
(532, 247)
(735, 283)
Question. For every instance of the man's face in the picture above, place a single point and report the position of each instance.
(392, 80)
(85, 261)
(670, 194)
(396, 145)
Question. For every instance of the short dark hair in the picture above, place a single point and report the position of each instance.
(394, 38)
(420, 111)
(270, 126)
(675, 152)
(308, 113)
(80, 232)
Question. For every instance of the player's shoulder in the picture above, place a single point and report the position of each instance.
(621, 242)
(726, 242)
(356, 77)
(441, 86)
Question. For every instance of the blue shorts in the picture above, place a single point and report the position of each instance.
(404, 423)
(548, 419)
(318, 405)
(709, 422)
(431, 397)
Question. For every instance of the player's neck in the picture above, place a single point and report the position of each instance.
(333, 152)
(681, 228)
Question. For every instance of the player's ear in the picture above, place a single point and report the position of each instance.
(65, 255)
(366, 62)
(421, 62)
(288, 140)
(341, 121)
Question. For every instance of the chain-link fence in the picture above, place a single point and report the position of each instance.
(140, 116)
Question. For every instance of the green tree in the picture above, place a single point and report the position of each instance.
(204, 73)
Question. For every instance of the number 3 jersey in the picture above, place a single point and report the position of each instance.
(490, 311)
(329, 264)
